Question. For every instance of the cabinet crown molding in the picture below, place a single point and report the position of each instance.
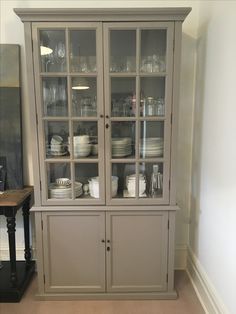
(102, 14)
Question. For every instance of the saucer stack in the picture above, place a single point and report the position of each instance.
(57, 148)
(121, 146)
(131, 184)
(64, 191)
(151, 147)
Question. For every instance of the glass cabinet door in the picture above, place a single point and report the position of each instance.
(69, 71)
(138, 78)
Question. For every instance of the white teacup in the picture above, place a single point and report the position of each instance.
(56, 139)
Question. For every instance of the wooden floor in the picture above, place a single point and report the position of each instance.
(187, 303)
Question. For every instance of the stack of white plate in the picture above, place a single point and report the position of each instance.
(64, 191)
(131, 184)
(151, 147)
(94, 186)
(121, 146)
(82, 146)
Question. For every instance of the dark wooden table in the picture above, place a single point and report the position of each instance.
(15, 275)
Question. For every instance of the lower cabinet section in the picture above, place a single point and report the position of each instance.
(137, 258)
(97, 252)
(74, 251)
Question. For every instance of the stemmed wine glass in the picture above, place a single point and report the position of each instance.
(60, 53)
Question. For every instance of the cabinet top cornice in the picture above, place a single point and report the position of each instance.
(102, 14)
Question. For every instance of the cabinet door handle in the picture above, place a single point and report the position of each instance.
(108, 248)
(107, 126)
(103, 241)
(101, 116)
(107, 116)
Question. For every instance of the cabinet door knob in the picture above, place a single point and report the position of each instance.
(107, 126)
(107, 116)
(101, 116)
(108, 248)
(103, 241)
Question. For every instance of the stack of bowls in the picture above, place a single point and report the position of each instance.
(82, 146)
(131, 184)
(94, 186)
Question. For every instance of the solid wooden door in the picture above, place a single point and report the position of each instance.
(137, 251)
(74, 251)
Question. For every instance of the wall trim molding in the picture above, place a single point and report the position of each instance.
(206, 292)
(4, 253)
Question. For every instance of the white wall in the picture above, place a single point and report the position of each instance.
(12, 32)
(213, 209)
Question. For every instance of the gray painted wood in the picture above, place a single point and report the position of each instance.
(33, 114)
(74, 254)
(73, 230)
(103, 14)
(137, 259)
(175, 110)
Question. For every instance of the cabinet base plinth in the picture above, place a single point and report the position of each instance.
(8, 292)
(172, 295)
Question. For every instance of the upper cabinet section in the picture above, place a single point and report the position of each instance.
(105, 91)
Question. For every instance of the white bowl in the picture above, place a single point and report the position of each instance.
(81, 139)
(63, 181)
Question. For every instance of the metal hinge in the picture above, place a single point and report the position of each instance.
(37, 120)
(168, 224)
(44, 278)
(40, 185)
(169, 184)
(167, 277)
(42, 224)
(171, 118)
(173, 44)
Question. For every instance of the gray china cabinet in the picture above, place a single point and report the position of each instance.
(103, 90)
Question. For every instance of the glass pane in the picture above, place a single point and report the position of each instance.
(85, 139)
(84, 96)
(83, 51)
(152, 98)
(153, 50)
(151, 139)
(56, 136)
(123, 56)
(55, 96)
(123, 139)
(153, 173)
(123, 97)
(122, 175)
(52, 50)
(87, 175)
(59, 180)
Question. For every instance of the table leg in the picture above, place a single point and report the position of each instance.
(11, 228)
(25, 210)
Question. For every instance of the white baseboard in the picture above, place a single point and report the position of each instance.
(205, 290)
(4, 253)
